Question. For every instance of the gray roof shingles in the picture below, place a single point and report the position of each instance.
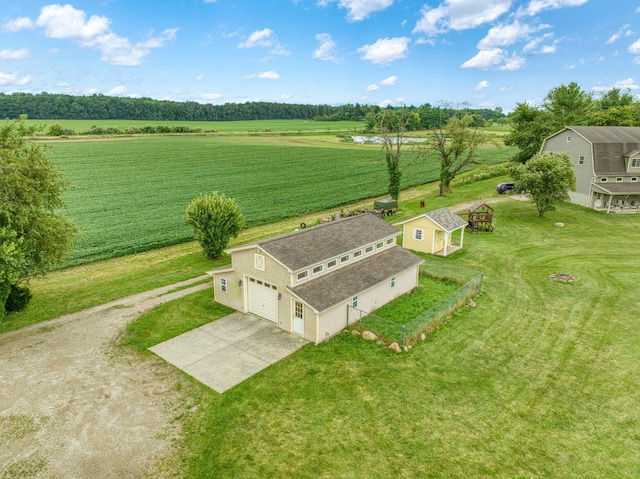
(447, 219)
(333, 288)
(309, 246)
(610, 145)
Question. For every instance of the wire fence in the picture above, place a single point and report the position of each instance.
(470, 282)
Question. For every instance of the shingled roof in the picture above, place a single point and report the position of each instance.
(443, 217)
(333, 288)
(309, 246)
(609, 134)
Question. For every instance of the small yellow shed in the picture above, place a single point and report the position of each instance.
(433, 232)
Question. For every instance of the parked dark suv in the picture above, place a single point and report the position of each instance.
(504, 187)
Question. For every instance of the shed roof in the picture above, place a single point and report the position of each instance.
(309, 246)
(443, 217)
(334, 288)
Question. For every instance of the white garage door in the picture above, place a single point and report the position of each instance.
(263, 299)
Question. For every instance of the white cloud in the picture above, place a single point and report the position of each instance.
(513, 63)
(373, 87)
(504, 35)
(634, 47)
(211, 96)
(22, 23)
(482, 85)
(326, 51)
(624, 31)
(385, 50)
(199, 77)
(459, 15)
(397, 101)
(270, 75)
(485, 59)
(64, 22)
(12, 79)
(117, 91)
(265, 38)
(626, 84)
(359, 9)
(20, 54)
(537, 6)
(392, 80)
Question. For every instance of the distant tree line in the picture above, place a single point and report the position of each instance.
(51, 106)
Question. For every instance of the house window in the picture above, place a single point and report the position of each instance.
(418, 234)
(619, 179)
(390, 241)
(568, 139)
(635, 163)
(354, 302)
(581, 160)
(332, 263)
(223, 285)
(604, 179)
(258, 261)
(634, 178)
(345, 258)
(298, 309)
(380, 245)
(368, 249)
(303, 275)
(317, 269)
(393, 282)
(357, 254)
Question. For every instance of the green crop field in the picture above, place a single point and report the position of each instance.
(129, 195)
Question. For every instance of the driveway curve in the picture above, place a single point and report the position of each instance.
(71, 408)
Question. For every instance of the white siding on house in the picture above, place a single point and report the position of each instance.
(334, 320)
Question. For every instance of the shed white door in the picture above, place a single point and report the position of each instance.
(263, 299)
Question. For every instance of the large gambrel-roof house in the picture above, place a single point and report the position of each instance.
(606, 161)
(306, 281)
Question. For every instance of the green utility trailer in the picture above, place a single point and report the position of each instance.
(387, 207)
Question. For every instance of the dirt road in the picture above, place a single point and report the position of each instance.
(72, 408)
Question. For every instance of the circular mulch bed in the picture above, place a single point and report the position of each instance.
(563, 277)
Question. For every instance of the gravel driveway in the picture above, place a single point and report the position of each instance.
(72, 407)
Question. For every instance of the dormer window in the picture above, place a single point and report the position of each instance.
(635, 162)
(317, 269)
(619, 179)
(332, 263)
(604, 179)
(302, 275)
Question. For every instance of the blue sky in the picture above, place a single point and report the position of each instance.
(486, 53)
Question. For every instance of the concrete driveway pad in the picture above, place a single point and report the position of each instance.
(225, 352)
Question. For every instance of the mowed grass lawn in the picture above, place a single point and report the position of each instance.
(129, 195)
(539, 380)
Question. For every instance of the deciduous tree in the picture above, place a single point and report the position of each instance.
(454, 146)
(34, 236)
(547, 179)
(215, 219)
(530, 126)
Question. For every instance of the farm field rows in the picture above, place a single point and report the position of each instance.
(130, 195)
(80, 126)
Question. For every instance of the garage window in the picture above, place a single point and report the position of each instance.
(223, 285)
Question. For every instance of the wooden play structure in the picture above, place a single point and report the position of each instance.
(480, 217)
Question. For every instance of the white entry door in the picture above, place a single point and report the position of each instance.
(263, 299)
(298, 318)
